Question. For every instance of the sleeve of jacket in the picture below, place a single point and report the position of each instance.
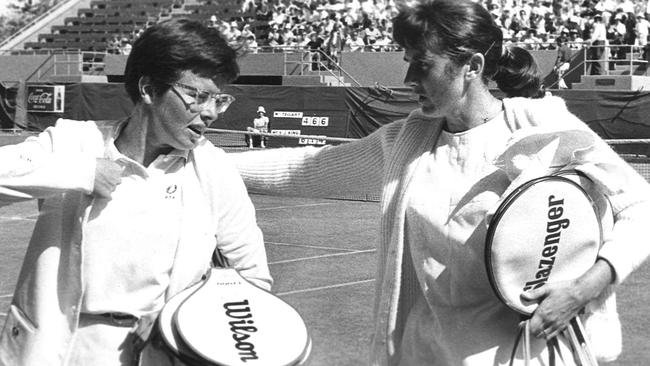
(239, 239)
(50, 163)
(318, 172)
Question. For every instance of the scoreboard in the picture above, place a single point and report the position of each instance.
(312, 123)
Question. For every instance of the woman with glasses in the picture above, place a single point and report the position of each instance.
(132, 211)
(441, 171)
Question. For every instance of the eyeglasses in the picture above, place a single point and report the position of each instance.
(200, 99)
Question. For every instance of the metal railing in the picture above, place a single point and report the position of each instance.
(40, 69)
(36, 52)
(317, 62)
(70, 63)
(626, 55)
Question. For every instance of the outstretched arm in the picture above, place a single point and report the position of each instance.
(55, 161)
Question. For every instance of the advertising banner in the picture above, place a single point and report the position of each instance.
(45, 98)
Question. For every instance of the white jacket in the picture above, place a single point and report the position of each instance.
(59, 166)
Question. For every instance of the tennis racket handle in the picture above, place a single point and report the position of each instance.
(576, 323)
(579, 343)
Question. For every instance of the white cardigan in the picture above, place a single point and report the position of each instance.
(385, 161)
(59, 166)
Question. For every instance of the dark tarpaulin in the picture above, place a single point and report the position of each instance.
(106, 101)
(86, 101)
(370, 108)
(7, 107)
(353, 111)
(613, 115)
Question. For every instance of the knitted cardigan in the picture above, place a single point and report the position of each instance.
(384, 162)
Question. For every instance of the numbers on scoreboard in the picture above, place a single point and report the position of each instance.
(311, 141)
(316, 121)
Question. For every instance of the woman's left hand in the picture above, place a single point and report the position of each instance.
(561, 301)
(558, 303)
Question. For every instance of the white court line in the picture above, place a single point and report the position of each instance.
(323, 256)
(283, 207)
(6, 295)
(16, 218)
(310, 246)
(324, 287)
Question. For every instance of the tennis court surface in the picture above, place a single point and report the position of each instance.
(322, 255)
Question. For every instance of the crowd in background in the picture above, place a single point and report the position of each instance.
(121, 44)
(333, 26)
(365, 25)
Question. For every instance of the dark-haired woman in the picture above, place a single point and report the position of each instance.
(132, 211)
(440, 171)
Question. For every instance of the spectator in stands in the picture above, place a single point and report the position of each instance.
(354, 43)
(287, 35)
(505, 19)
(518, 23)
(597, 41)
(315, 46)
(275, 39)
(538, 23)
(246, 32)
(605, 8)
(370, 36)
(531, 40)
(436, 174)
(247, 6)
(384, 42)
(549, 24)
(562, 62)
(235, 32)
(125, 46)
(575, 41)
(132, 212)
(334, 44)
(642, 31)
(627, 6)
(251, 44)
(114, 45)
(616, 33)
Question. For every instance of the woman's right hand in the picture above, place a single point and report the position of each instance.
(108, 174)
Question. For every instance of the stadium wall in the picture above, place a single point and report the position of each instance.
(16, 68)
(368, 68)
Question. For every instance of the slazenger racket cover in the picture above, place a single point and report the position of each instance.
(545, 231)
(227, 321)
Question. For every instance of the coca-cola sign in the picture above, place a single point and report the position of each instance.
(45, 98)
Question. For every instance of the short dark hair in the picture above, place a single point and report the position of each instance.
(459, 29)
(166, 49)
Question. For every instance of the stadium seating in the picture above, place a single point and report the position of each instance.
(93, 28)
